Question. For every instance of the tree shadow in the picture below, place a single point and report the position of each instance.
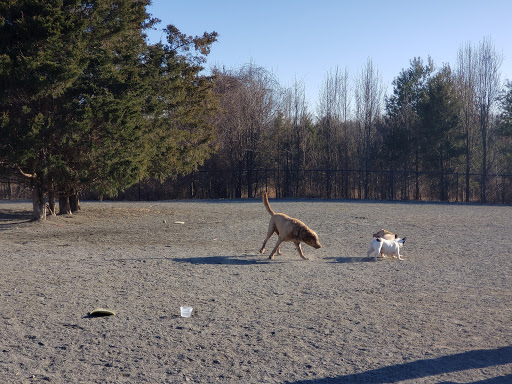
(478, 359)
(225, 260)
(13, 218)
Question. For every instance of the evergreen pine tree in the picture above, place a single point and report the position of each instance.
(86, 102)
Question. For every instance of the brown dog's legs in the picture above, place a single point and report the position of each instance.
(271, 229)
(276, 248)
(299, 249)
(278, 244)
(262, 250)
(270, 232)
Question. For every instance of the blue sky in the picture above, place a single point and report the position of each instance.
(302, 40)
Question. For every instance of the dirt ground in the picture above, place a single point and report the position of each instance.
(442, 315)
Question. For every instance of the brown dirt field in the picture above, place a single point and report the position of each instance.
(442, 315)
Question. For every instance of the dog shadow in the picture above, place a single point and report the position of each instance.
(224, 260)
(349, 260)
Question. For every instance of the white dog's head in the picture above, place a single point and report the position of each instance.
(400, 241)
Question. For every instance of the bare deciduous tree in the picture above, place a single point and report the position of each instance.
(296, 120)
(333, 115)
(369, 91)
(488, 87)
(249, 99)
(466, 76)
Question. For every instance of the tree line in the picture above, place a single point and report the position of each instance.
(438, 120)
(87, 103)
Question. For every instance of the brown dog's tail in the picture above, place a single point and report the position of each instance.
(267, 205)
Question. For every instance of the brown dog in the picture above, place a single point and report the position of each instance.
(288, 229)
(386, 235)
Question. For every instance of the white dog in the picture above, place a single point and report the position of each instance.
(386, 247)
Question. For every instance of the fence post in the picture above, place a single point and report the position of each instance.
(335, 183)
(456, 187)
(503, 189)
(392, 185)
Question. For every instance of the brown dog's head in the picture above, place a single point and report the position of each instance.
(385, 235)
(310, 238)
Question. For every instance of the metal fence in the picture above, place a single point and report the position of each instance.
(351, 184)
(317, 183)
(14, 189)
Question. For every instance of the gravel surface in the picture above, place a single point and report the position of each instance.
(442, 315)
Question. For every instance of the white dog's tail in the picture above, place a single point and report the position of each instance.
(267, 205)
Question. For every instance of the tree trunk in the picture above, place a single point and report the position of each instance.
(484, 165)
(74, 202)
(483, 124)
(64, 207)
(51, 201)
(69, 203)
(9, 189)
(468, 167)
(38, 203)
